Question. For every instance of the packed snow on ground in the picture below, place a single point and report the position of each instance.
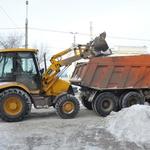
(131, 124)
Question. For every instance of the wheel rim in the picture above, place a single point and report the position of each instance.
(68, 107)
(106, 104)
(13, 106)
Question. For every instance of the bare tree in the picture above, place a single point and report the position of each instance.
(41, 53)
(11, 41)
(42, 49)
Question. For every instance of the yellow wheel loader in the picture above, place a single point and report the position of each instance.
(22, 83)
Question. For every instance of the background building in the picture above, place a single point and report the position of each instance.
(129, 50)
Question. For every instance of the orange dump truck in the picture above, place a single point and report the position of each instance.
(114, 82)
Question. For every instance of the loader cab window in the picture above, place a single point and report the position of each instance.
(27, 70)
(25, 63)
(6, 67)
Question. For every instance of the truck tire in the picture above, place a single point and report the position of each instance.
(105, 103)
(120, 100)
(67, 106)
(15, 105)
(132, 98)
(86, 103)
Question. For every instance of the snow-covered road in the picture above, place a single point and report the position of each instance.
(45, 131)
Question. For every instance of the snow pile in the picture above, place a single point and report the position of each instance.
(131, 124)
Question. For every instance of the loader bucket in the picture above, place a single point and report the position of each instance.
(99, 45)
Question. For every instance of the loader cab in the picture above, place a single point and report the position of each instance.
(20, 65)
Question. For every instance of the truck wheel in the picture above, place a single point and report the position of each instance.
(15, 105)
(105, 103)
(67, 106)
(120, 100)
(86, 103)
(132, 98)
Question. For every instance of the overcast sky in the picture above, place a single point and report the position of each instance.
(119, 18)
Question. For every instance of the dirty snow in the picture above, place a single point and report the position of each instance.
(44, 130)
(131, 124)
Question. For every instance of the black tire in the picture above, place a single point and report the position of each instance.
(56, 99)
(105, 103)
(120, 100)
(60, 105)
(132, 98)
(22, 98)
(86, 103)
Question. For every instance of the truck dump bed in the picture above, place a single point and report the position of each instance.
(120, 72)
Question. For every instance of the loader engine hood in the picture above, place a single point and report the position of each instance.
(5, 85)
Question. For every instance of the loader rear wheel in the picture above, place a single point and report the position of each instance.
(67, 106)
(105, 103)
(132, 98)
(15, 105)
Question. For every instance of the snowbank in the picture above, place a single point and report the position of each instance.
(131, 124)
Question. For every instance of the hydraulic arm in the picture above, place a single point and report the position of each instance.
(52, 74)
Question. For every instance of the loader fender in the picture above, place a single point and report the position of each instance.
(7, 85)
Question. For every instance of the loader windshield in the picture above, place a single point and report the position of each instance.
(27, 71)
(26, 63)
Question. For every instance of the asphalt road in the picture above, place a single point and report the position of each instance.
(44, 130)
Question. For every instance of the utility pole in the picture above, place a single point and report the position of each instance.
(74, 38)
(26, 25)
(45, 62)
(91, 30)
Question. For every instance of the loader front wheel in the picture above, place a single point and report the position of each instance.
(15, 105)
(67, 106)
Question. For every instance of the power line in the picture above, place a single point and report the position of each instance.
(57, 31)
(79, 33)
(48, 30)
(86, 34)
(4, 11)
(12, 28)
(65, 32)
